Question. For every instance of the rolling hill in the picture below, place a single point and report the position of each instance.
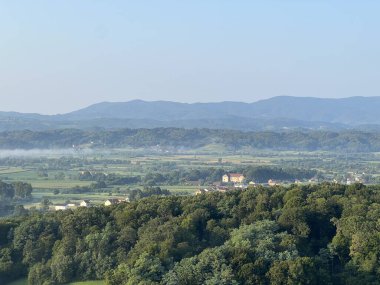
(277, 113)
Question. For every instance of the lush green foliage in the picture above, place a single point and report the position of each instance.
(206, 175)
(136, 194)
(11, 192)
(194, 138)
(320, 234)
(16, 190)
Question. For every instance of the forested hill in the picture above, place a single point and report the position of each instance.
(349, 111)
(174, 138)
(278, 113)
(321, 234)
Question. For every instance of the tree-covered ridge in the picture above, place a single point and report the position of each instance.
(321, 234)
(193, 138)
(277, 113)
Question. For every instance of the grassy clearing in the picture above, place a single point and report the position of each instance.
(58, 184)
(178, 189)
(19, 282)
(12, 170)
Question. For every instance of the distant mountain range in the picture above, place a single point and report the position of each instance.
(277, 113)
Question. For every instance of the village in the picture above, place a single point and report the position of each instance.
(237, 181)
(228, 182)
(232, 181)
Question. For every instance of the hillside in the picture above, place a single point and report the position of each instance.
(176, 138)
(350, 111)
(277, 113)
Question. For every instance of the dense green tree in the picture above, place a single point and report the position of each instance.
(40, 274)
(312, 234)
(22, 190)
(7, 191)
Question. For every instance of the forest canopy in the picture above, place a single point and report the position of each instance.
(311, 234)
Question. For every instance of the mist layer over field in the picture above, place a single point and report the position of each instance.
(4, 153)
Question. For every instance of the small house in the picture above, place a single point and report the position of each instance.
(111, 201)
(60, 207)
(85, 203)
(272, 182)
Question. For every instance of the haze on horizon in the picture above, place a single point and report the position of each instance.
(59, 56)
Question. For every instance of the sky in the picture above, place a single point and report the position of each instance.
(60, 56)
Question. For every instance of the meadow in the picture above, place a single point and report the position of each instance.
(51, 174)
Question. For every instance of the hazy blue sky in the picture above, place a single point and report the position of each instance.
(57, 56)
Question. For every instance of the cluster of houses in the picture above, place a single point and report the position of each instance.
(351, 180)
(233, 181)
(87, 204)
(83, 203)
(237, 179)
(230, 181)
(233, 178)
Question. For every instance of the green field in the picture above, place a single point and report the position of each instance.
(58, 184)
(48, 173)
(11, 170)
(182, 189)
(19, 282)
